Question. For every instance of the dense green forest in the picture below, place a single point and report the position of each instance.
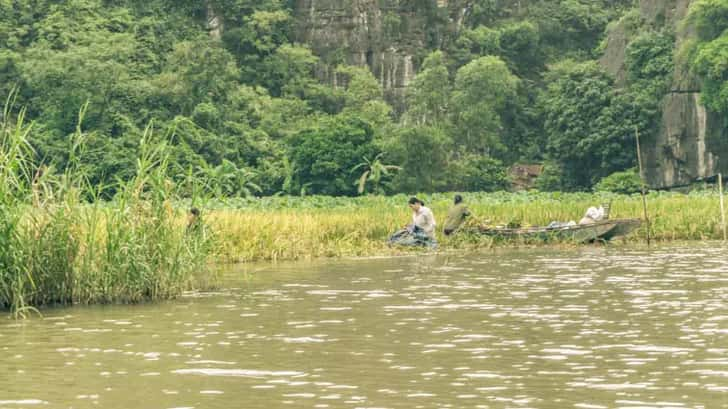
(246, 114)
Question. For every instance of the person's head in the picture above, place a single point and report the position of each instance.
(415, 204)
(194, 214)
(458, 199)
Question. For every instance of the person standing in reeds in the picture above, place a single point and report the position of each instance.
(456, 216)
(194, 221)
(38, 188)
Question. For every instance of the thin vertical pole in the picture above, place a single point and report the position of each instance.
(642, 179)
(722, 206)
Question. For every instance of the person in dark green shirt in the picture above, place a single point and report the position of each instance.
(456, 216)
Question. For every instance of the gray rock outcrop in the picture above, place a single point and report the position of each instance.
(691, 142)
(384, 35)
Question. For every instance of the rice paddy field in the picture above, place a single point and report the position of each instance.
(285, 228)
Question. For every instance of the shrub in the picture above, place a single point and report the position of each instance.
(476, 173)
(551, 179)
(626, 182)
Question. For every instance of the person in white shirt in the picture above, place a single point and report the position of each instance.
(422, 230)
(422, 218)
(593, 215)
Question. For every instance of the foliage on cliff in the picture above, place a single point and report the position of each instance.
(709, 54)
(507, 81)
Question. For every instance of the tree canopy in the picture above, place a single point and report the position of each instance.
(249, 111)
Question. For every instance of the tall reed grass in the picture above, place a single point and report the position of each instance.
(59, 244)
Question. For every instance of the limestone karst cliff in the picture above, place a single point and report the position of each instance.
(389, 36)
(691, 141)
(386, 36)
(392, 37)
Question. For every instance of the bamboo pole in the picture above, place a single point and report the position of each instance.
(722, 206)
(643, 185)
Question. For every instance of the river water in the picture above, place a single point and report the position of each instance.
(592, 327)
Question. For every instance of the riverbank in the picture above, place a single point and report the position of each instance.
(287, 228)
(136, 248)
(66, 240)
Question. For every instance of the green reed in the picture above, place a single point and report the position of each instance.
(60, 244)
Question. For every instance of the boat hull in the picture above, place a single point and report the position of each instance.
(585, 233)
(623, 228)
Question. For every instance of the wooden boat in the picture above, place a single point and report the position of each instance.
(584, 233)
(623, 228)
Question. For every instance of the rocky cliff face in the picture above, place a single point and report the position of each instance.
(390, 37)
(214, 21)
(386, 35)
(691, 142)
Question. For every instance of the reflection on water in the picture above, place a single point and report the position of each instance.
(587, 328)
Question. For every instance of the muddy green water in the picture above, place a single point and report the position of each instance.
(583, 328)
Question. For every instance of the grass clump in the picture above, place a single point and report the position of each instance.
(60, 244)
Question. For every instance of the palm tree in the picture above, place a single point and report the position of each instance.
(374, 170)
